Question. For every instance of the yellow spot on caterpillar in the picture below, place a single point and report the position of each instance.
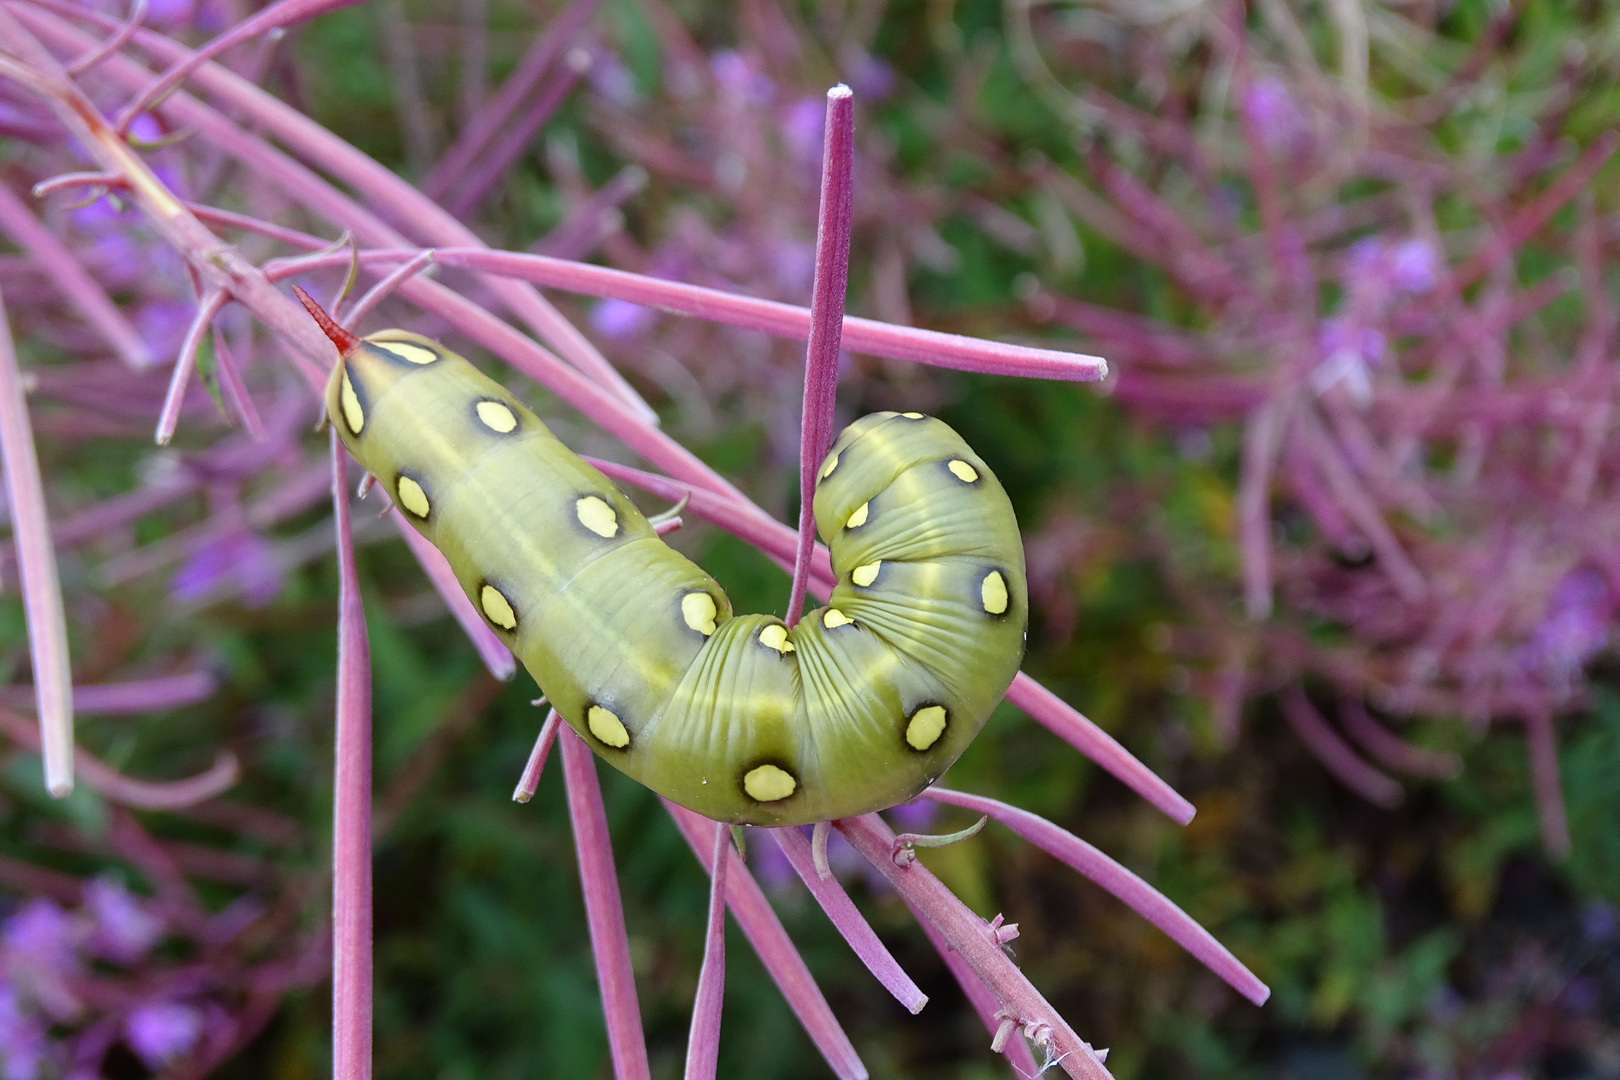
(993, 593)
(412, 497)
(496, 416)
(926, 726)
(497, 608)
(607, 727)
(865, 575)
(353, 414)
(912, 415)
(697, 608)
(775, 636)
(827, 469)
(408, 352)
(963, 471)
(832, 619)
(596, 515)
(767, 783)
(858, 518)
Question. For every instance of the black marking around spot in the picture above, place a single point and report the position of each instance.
(613, 707)
(780, 763)
(680, 612)
(882, 572)
(978, 472)
(1007, 583)
(478, 602)
(360, 395)
(758, 638)
(618, 515)
(395, 358)
(905, 723)
(872, 508)
(472, 411)
(427, 492)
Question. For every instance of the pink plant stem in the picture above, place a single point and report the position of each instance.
(1334, 753)
(826, 322)
(185, 363)
(1261, 437)
(485, 173)
(36, 571)
(703, 1042)
(781, 959)
(383, 188)
(1147, 901)
(849, 922)
(75, 284)
(1360, 508)
(137, 15)
(497, 112)
(1016, 1050)
(604, 911)
(130, 698)
(218, 265)
(386, 288)
(971, 939)
(234, 391)
(782, 320)
(529, 782)
(1060, 718)
(351, 808)
(1529, 220)
(495, 655)
(1541, 742)
(114, 786)
(281, 14)
(1392, 751)
(213, 215)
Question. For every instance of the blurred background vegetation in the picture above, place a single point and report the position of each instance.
(1434, 939)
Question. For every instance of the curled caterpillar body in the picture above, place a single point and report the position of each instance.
(858, 707)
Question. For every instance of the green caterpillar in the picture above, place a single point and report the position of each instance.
(859, 707)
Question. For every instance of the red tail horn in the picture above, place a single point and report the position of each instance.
(346, 342)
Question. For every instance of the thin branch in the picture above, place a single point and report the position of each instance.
(36, 570)
(826, 322)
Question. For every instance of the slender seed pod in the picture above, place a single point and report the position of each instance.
(858, 707)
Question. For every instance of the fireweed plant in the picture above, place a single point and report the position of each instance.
(133, 140)
(1388, 269)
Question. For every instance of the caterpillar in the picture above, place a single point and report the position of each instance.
(858, 707)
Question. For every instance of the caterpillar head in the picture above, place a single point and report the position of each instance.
(365, 368)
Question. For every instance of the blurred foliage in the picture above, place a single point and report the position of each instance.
(1421, 939)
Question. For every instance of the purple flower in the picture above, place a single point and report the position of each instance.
(1275, 115)
(23, 1047)
(1415, 265)
(870, 77)
(44, 934)
(161, 1031)
(162, 325)
(610, 79)
(1575, 627)
(1347, 349)
(914, 816)
(1599, 922)
(771, 867)
(620, 318)
(123, 930)
(738, 75)
(804, 128)
(240, 559)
